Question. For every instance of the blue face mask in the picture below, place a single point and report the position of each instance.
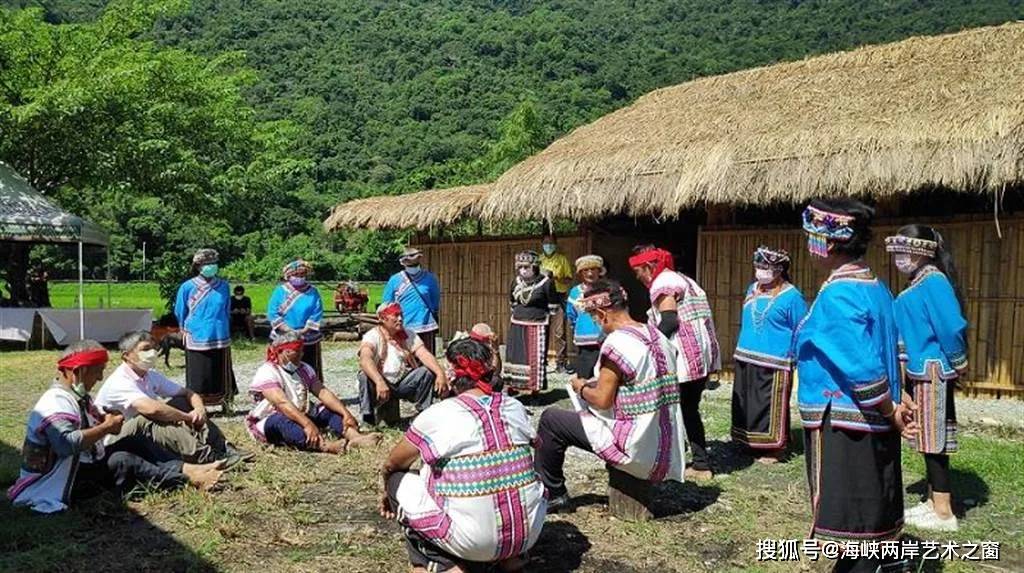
(209, 271)
(413, 271)
(549, 249)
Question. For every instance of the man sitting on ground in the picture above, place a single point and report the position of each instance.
(63, 457)
(394, 362)
(158, 409)
(284, 414)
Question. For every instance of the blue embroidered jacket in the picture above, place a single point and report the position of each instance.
(767, 325)
(585, 332)
(203, 310)
(296, 309)
(417, 316)
(932, 327)
(846, 352)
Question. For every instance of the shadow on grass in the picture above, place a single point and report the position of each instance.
(96, 533)
(559, 549)
(671, 499)
(545, 398)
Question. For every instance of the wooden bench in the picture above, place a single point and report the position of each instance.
(629, 497)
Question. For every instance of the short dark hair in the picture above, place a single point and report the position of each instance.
(473, 350)
(862, 215)
(239, 288)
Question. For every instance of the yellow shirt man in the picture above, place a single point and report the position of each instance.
(557, 265)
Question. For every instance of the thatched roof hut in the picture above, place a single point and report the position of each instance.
(421, 210)
(945, 111)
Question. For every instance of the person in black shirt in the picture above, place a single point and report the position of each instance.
(241, 313)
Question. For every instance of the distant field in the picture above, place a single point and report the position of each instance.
(147, 295)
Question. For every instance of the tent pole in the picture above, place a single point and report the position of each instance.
(81, 294)
(110, 301)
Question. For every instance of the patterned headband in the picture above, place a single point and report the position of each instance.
(410, 256)
(205, 257)
(589, 262)
(911, 246)
(824, 226)
(296, 267)
(597, 301)
(527, 258)
(776, 258)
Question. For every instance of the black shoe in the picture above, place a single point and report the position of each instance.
(560, 504)
(243, 455)
(229, 461)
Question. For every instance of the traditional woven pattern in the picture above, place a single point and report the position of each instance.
(648, 396)
(911, 246)
(485, 474)
(774, 258)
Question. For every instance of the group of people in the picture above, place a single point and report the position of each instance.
(870, 368)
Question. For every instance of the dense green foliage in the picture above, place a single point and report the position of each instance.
(238, 123)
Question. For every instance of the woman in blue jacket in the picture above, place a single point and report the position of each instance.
(849, 386)
(933, 346)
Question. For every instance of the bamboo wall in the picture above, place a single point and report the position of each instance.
(991, 277)
(475, 277)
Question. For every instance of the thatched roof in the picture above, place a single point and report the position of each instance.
(939, 111)
(420, 210)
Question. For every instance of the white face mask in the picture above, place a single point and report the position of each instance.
(79, 388)
(525, 272)
(414, 270)
(764, 276)
(147, 358)
(904, 263)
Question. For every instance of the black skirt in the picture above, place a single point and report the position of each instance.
(760, 406)
(525, 356)
(586, 360)
(856, 483)
(209, 373)
(312, 355)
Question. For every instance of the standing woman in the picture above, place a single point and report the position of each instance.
(417, 291)
(764, 358)
(587, 335)
(849, 384)
(680, 310)
(295, 305)
(934, 347)
(203, 310)
(532, 298)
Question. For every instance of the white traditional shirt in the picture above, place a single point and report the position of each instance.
(394, 359)
(296, 386)
(53, 449)
(477, 495)
(642, 434)
(697, 352)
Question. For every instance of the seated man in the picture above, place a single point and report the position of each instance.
(628, 415)
(477, 453)
(284, 415)
(241, 313)
(160, 410)
(394, 362)
(63, 457)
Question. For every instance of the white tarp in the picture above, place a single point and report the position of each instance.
(101, 325)
(16, 323)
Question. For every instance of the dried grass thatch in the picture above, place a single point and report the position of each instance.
(420, 210)
(939, 111)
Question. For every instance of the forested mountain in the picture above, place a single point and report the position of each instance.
(389, 96)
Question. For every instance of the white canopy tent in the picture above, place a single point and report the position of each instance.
(27, 216)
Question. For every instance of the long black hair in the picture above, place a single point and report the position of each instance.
(943, 259)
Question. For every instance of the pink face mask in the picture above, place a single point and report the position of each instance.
(297, 282)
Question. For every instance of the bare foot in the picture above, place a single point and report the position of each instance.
(698, 475)
(203, 476)
(357, 440)
(334, 447)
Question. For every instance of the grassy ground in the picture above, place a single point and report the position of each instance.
(299, 512)
(147, 295)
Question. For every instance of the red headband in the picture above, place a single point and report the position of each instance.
(475, 370)
(389, 309)
(93, 357)
(274, 351)
(661, 259)
(481, 338)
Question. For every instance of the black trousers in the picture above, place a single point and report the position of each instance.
(690, 394)
(558, 430)
(130, 462)
(937, 468)
(586, 360)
